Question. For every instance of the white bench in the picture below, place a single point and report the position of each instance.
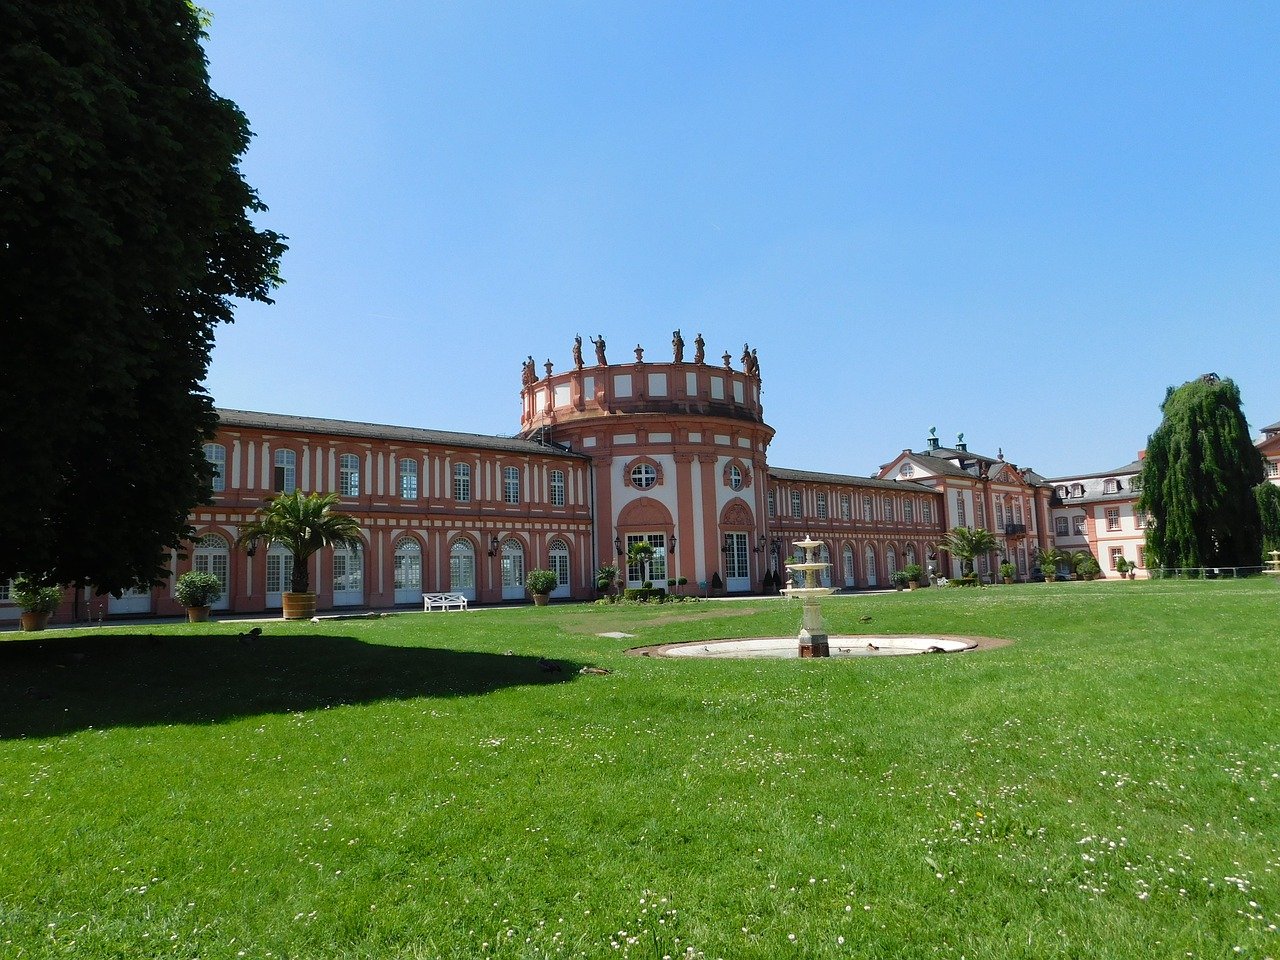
(443, 601)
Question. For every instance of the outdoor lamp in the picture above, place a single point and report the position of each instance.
(493, 546)
(617, 545)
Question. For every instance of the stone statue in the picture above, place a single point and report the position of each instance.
(639, 354)
(577, 352)
(527, 375)
(677, 346)
(548, 366)
(755, 364)
(746, 359)
(599, 343)
(699, 349)
(933, 432)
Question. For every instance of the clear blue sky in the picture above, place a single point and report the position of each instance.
(1018, 221)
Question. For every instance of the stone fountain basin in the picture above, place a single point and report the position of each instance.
(787, 648)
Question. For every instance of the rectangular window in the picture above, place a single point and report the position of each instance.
(1077, 525)
(822, 506)
(349, 475)
(557, 488)
(773, 505)
(408, 479)
(999, 515)
(1142, 557)
(888, 508)
(866, 509)
(796, 504)
(844, 506)
(1116, 554)
(1060, 526)
(926, 511)
(1113, 518)
(285, 477)
(5, 587)
(1139, 519)
(980, 511)
(511, 484)
(1273, 468)
(908, 510)
(961, 519)
(655, 570)
(216, 454)
(462, 482)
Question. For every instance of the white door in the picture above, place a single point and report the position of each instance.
(824, 556)
(131, 601)
(279, 574)
(408, 570)
(512, 571)
(348, 577)
(213, 555)
(847, 558)
(462, 569)
(869, 562)
(737, 563)
(558, 561)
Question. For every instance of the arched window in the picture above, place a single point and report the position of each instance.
(408, 479)
(462, 568)
(869, 565)
(909, 555)
(824, 556)
(284, 478)
(407, 569)
(890, 561)
(558, 563)
(462, 483)
(216, 454)
(349, 475)
(213, 555)
(846, 558)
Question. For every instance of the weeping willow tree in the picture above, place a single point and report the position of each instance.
(1198, 478)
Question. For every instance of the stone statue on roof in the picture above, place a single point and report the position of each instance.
(699, 349)
(677, 346)
(577, 352)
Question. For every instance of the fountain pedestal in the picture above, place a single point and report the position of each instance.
(813, 632)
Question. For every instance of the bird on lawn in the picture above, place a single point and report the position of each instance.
(596, 671)
(872, 646)
(864, 619)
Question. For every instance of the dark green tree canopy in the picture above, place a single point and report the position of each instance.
(125, 234)
(1268, 497)
(1198, 478)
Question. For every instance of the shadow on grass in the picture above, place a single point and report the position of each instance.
(65, 684)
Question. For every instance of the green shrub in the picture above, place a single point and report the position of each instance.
(644, 594)
(914, 572)
(33, 598)
(196, 588)
(1008, 571)
(541, 581)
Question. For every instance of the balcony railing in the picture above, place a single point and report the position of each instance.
(1015, 529)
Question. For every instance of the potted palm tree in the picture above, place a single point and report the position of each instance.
(968, 543)
(1050, 557)
(1007, 572)
(302, 523)
(540, 583)
(198, 591)
(36, 602)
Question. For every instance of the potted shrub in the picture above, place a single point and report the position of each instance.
(913, 571)
(36, 602)
(899, 578)
(303, 523)
(540, 583)
(1122, 566)
(1049, 560)
(198, 591)
(606, 580)
(1007, 572)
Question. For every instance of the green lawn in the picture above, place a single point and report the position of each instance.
(1107, 785)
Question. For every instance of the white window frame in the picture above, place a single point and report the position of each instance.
(644, 476)
(284, 470)
(556, 483)
(462, 484)
(408, 478)
(348, 475)
(511, 485)
(216, 455)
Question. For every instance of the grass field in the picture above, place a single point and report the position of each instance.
(1106, 785)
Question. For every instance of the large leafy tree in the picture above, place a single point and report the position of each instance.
(968, 543)
(303, 524)
(1198, 477)
(125, 235)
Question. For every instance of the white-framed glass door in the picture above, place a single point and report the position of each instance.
(558, 562)
(279, 574)
(869, 564)
(846, 559)
(131, 601)
(462, 569)
(512, 570)
(655, 571)
(407, 569)
(737, 563)
(348, 577)
(824, 556)
(213, 555)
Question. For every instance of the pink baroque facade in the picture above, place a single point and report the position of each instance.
(673, 453)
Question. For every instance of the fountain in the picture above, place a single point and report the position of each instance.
(813, 632)
(1273, 565)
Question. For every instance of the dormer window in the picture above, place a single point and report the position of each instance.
(1077, 489)
(1111, 485)
(1061, 492)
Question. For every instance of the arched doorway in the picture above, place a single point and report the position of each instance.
(824, 556)
(846, 565)
(558, 563)
(213, 555)
(407, 568)
(348, 577)
(462, 568)
(890, 562)
(512, 570)
(869, 564)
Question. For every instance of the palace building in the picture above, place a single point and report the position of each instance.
(671, 452)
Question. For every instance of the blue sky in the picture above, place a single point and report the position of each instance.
(1018, 221)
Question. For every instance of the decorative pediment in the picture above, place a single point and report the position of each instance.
(736, 514)
(645, 512)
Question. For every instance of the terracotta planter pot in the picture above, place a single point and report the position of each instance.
(32, 621)
(541, 599)
(298, 606)
(1008, 581)
(913, 584)
(198, 614)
